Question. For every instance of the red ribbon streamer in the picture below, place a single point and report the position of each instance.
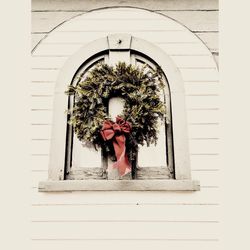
(116, 131)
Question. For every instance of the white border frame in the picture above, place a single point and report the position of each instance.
(179, 119)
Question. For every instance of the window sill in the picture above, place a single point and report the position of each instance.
(119, 185)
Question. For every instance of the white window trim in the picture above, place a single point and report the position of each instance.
(182, 179)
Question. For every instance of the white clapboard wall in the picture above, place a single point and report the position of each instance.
(201, 17)
(129, 220)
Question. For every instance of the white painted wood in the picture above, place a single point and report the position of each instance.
(48, 62)
(134, 213)
(41, 116)
(40, 147)
(35, 39)
(193, 61)
(193, 102)
(119, 41)
(39, 162)
(205, 116)
(120, 14)
(202, 88)
(44, 75)
(119, 25)
(195, 20)
(46, 21)
(42, 88)
(204, 146)
(56, 50)
(146, 244)
(211, 40)
(180, 49)
(42, 102)
(40, 131)
(209, 162)
(204, 130)
(199, 74)
(123, 230)
(207, 197)
(78, 5)
(87, 36)
(207, 178)
(122, 185)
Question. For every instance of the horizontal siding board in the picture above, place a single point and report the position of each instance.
(41, 116)
(39, 162)
(46, 21)
(123, 230)
(42, 88)
(35, 38)
(50, 62)
(204, 130)
(186, 61)
(211, 40)
(204, 116)
(195, 20)
(38, 131)
(44, 102)
(199, 74)
(120, 25)
(40, 147)
(44, 75)
(87, 36)
(194, 61)
(205, 162)
(193, 102)
(202, 88)
(78, 5)
(207, 196)
(120, 14)
(181, 49)
(131, 213)
(146, 244)
(56, 49)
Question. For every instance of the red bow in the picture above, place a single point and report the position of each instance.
(116, 131)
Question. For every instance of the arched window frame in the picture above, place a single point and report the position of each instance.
(56, 180)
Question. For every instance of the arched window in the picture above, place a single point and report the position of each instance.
(162, 167)
(154, 162)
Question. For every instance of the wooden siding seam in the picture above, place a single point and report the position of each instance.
(126, 204)
(126, 221)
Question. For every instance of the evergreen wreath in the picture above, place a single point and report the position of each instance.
(139, 87)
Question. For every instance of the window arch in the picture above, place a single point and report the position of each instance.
(60, 153)
(83, 162)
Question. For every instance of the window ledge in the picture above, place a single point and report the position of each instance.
(119, 185)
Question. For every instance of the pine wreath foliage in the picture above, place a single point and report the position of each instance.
(139, 87)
